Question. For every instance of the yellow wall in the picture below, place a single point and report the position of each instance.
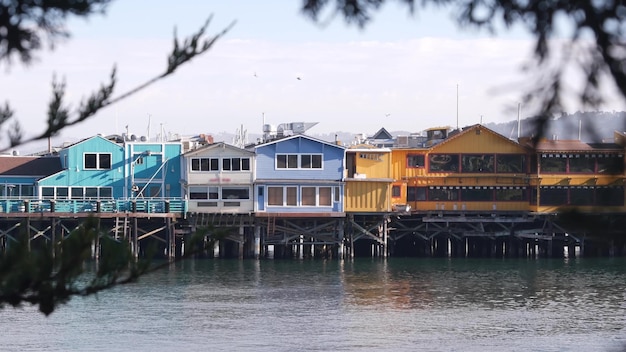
(380, 168)
(471, 141)
(399, 170)
(367, 196)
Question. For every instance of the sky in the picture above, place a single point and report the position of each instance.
(401, 72)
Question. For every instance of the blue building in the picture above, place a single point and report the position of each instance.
(299, 176)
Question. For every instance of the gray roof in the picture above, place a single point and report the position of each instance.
(29, 165)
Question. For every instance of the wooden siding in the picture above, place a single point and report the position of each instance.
(367, 196)
(371, 163)
(220, 178)
(399, 168)
(332, 164)
(75, 174)
(478, 139)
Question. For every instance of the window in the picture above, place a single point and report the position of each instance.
(97, 161)
(443, 194)
(308, 196)
(477, 194)
(337, 195)
(62, 193)
(511, 163)
(301, 161)
(553, 163)
(325, 198)
(226, 164)
(477, 163)
(305, 162)
(582, 164)
(553, 196)
(236, 164)
(581, 195)
(26, 190)
(235, 193)
(610, 164)
(205, 164)
(245, 164)
(91, 192)
(395, 191)
(292, 196)
(415, 160)
(371, 156)
(415, 193)
(213, 192)
(511, 194)
(313, 161)
(77, 193)
(274, 196)
(443, 163)
(610, 196)
(213, 164)
(106, 192)
(47, 192)
(84, 192)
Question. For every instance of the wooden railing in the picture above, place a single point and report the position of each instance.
(135, 205)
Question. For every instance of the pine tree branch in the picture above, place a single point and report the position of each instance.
(59, 116)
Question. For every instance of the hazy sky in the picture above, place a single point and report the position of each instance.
(400, 72)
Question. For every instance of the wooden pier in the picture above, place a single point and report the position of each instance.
(164, 223)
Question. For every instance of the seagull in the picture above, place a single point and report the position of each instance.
(255, 75)
(298, 78)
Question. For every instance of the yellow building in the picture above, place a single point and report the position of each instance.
(572, 174)
(368, 179)
(475, 169)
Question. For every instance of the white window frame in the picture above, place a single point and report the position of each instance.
(299, 161)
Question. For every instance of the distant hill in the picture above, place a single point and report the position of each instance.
(591, 126)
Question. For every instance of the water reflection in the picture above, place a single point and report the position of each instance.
(483, 283)
(366, 304)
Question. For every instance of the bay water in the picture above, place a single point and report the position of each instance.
(365, 304)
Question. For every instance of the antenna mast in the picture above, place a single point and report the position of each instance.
(519, 123)
(457, 106)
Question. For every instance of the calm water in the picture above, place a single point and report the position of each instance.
(361, 305)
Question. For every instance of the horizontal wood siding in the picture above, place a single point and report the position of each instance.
(332, 160)
(77, 176)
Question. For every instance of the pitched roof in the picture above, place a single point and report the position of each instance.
(456, 134)
(382, 134)
(573, 146)
(209, 147)
(29, 165)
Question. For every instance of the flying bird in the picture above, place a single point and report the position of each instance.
(298, 78)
